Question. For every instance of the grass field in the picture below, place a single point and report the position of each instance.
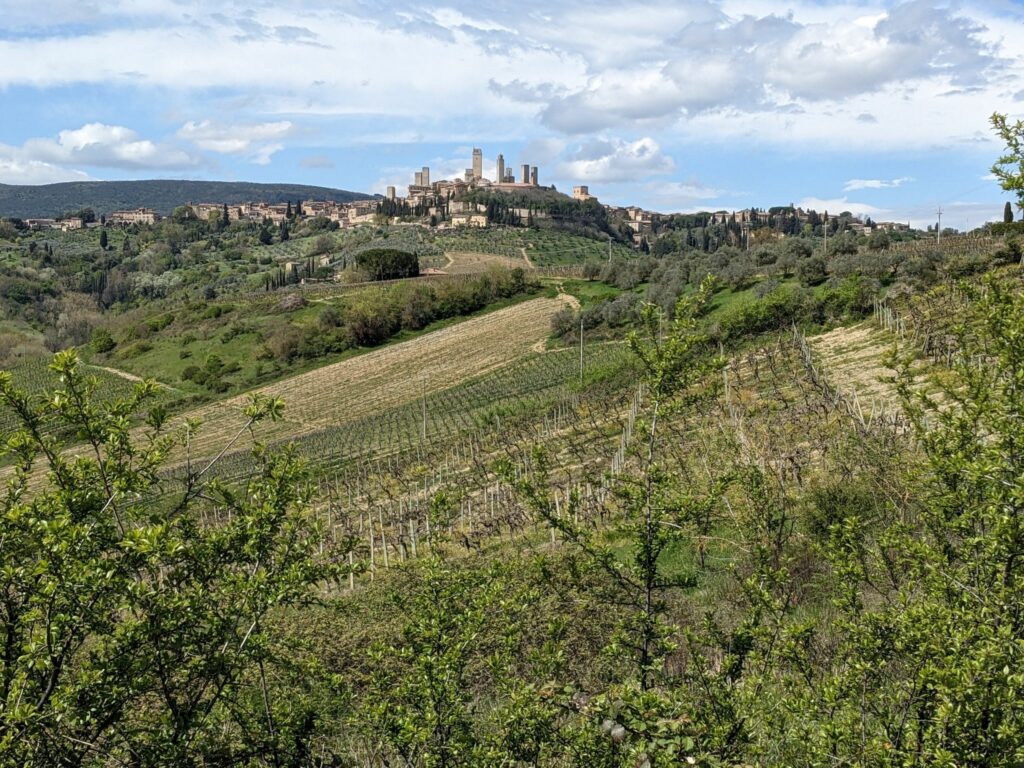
(470, 262)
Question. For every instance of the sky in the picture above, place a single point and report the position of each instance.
(878, 108)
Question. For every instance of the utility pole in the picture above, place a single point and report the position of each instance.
(938, 228)
(581, 341)
(609, 249)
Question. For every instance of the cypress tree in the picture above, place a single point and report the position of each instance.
(1008, 213)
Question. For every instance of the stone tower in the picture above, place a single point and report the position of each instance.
(478, 163)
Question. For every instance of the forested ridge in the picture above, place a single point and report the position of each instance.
(162, 195)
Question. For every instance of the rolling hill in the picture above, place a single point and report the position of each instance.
(163, 195)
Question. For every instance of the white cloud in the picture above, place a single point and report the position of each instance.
(617, 160)
(361, 63)
(258, 141)
(854, 184)
(839, 204)
(45, 160)
(17, 169)
(105, 146)
(682, 196)
(958, 215)
(837, 75)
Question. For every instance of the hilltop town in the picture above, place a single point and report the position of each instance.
(509, 199)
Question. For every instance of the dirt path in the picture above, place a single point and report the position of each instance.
(130, 376)
(526, 258)
(542, 345)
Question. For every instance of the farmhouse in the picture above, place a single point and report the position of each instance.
(137, 216)
(469, 220)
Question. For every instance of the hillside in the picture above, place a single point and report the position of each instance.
(163, 195)
(728, 541)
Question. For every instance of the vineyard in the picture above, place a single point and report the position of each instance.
(467, 262)
(955, 246)
(543, 386)
(35, 378)
(775, 410)
(388, 377)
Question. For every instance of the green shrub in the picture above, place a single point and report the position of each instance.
(1011, 228)
(835, 504)
(102, 342)
(782, 306)
(134, 350)
(160, 322)
(217, 310)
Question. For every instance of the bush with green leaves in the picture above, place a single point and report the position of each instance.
(102, 341)
(135, 613)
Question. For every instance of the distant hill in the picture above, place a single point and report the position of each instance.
(49, 200)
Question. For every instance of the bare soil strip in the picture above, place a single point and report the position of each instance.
(852, 357)
(130, 376)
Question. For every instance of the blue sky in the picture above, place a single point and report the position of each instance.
(874, 107)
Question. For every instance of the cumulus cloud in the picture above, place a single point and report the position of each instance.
(762, 63)
(106, 146)
(17, 169)
(541, 151)
(529, 93)
(865, 75)
(257, 141)
(855, 184)
(681, 195)
(251, 30)
(617, 160)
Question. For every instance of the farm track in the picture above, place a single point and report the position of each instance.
(130, 376)
(388, 377)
